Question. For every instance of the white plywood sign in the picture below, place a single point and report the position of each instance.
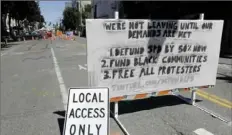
(138, 56)
(87, 112)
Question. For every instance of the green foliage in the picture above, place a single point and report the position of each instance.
(71, 18)
(50, 23)
(7, 6)
(42, 18)
(41, 25)
(87, 8)
(86, 13)
(33, 11)
(22, 10)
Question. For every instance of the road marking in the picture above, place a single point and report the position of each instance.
(63, 91)
(16, 53)
(215, 99)
(82, 53)
(202, 131)
(81, 67)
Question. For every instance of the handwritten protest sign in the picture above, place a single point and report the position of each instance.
(87, 112)
(137, 56)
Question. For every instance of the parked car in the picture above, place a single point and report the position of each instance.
(29, 35)
(37, 34)
(21, 36)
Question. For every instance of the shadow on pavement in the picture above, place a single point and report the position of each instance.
(133, 106)
(60, 113)
(226, 56)
(61, 125)
(60, 120)
(8, 45)
(225, 78)
(148, 104)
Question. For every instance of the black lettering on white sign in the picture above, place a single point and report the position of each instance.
(87, 112)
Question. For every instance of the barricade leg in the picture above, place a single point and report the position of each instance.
(115, 116)
(116, 109)
(210, 112)
(193, 97)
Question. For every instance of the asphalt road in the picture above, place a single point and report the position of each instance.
(32, 100)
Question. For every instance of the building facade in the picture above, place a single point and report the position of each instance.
(104, 8)
(80, 4)
(172, 10)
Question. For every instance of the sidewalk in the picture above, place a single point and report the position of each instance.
(225, 66)
(13, 45)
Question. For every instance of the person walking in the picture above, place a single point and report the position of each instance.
(49, 35)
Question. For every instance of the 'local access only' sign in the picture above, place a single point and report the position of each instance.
(87, 112)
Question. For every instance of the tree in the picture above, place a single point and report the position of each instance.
(6, 6)
(41, 22)
(61, 27)
(40, 25)
(19, 11)
(24, 11)
(42, 19)
(34, 13)
(7, 9)
(71, 18)
(86, 13)
(88, 8)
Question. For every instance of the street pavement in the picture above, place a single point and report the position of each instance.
(32, 96)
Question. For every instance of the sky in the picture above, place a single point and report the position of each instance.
(52, 10)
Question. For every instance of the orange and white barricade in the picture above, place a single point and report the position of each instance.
(59, 34)
(115, 100)
(155, 94)
(94, 77)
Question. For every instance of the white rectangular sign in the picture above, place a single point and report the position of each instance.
(87, 112)
(139, 56)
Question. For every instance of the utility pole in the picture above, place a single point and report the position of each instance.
(80, 10)
(40, 22)
(38, 26)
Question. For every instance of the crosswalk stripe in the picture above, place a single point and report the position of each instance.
(202, 131)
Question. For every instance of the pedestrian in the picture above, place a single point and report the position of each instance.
(49, 34)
